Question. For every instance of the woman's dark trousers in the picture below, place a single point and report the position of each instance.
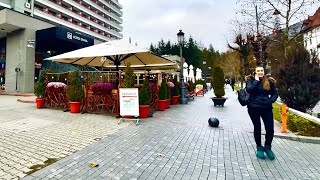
(267, 117)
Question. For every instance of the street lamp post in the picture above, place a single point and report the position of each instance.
(183, 99)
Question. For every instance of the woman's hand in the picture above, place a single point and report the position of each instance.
(249, 77)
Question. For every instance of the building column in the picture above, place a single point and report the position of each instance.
(18, 55)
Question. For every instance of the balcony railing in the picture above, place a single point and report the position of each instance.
(103, 10)
(79, 14)
(110, 5)
(101, 18)
(81, 27)
(108, 21)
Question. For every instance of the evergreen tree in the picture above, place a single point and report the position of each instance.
(163, 91)
(218, 81)
(145, 93)
(299, 79)
(153, 49)
(176, 87)
(129, 79)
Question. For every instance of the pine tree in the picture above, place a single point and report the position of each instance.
(299, 79)
(129, 79)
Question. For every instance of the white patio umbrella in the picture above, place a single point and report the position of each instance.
(185, 71)
(198, 74)
(114, 55)
(191, 73)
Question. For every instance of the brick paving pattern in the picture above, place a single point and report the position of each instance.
(30, 136)
(178, 144)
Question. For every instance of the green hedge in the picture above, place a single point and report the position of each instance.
(297, 124)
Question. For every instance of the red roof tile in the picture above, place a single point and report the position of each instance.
(312, 21)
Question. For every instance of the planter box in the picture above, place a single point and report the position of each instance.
(219, 101)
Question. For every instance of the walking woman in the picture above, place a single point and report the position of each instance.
(262, 94)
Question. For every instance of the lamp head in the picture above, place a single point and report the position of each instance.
(180, 36)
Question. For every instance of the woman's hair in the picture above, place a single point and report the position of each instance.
(265, 83)
(265, 80)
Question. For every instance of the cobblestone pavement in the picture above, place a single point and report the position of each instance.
(29, 136)
(178, 144)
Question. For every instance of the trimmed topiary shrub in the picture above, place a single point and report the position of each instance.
(163, 91)
(218, 81)
(129, 78)
(75, 91)
(168, 91)
(40, 85)
(145, 93)
(176, 87)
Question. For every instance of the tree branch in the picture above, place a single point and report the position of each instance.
(275, 8)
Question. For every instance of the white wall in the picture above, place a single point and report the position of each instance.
(312, 39)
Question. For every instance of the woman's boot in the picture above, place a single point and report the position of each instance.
(269, 152)
(260, 152)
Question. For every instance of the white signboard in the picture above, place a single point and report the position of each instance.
(129, 101)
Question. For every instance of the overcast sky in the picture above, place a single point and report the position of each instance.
(147, 21)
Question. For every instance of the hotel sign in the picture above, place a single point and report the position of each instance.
(71, 36)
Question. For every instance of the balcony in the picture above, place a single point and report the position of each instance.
(92, 13)
(101, 9)
(80, 17)
(115, 9)
(117, 3)
(73, 25)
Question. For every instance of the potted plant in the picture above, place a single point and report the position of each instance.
(162, 96)
(175, 92)
(144, 99)
(191, 87)
(39, 88)
(218, 82)
(129, 78)
(75, 91)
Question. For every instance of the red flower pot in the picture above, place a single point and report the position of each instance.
(168, 103)
(75, 107)
(40, 103)
(162, 104)
(144, 111)
(175, 99)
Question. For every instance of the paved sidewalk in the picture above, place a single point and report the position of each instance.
(30, 136)
(179, 144)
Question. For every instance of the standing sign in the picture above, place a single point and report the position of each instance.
(129, 102)
(199, 90)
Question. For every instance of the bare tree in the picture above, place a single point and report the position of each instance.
(243, 48)
(261, 13)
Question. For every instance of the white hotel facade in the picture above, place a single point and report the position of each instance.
(35, 27)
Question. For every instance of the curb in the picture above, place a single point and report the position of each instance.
(26, 101)
(16, 94)
(304, 139)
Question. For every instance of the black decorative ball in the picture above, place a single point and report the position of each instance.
(213, 122)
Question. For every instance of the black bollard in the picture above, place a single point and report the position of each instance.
(213, 122)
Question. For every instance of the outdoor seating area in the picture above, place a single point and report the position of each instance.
(101, 93)
(121, 65)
